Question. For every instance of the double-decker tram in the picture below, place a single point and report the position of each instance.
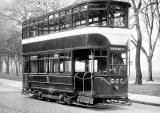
(78, 55)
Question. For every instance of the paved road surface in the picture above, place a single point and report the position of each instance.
(11, 101)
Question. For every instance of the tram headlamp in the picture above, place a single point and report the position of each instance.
(115, 87)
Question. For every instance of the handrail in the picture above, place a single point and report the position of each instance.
(84, 79)
(81, 79)
(75, 79)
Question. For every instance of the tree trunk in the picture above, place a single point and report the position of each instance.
(19, 68)
(149, 70)
(11, 63)
(139, 43)
(1, 63)
(17, 73)
(7, 68)
(7, 64)
(138, 64)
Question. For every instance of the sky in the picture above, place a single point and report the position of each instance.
(5, 3)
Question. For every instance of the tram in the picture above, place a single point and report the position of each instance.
(78, 54)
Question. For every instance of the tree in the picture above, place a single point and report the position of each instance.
(150, 15)
(138, 42)
(1, 56)
(13, 16)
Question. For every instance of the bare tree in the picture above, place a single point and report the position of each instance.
(1, 56)
(136, 9)
(150, 15)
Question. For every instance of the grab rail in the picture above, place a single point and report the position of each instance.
(81, 79)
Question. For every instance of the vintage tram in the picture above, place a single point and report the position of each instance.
(78, 55)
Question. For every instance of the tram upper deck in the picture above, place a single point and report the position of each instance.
(90, 13)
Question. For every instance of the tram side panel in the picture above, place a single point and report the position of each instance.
(46, 83)
(110, 86)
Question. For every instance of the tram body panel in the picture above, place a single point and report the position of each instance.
(110, 86)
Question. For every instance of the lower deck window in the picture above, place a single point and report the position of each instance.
(65, 66)
(118, 64)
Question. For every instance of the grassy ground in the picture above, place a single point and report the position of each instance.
(11, 76)
(145, 89)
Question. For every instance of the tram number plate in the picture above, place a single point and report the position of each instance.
(113, 81)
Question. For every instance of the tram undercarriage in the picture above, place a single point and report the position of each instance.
(80, 99)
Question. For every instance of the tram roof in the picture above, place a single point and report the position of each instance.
(78, 38)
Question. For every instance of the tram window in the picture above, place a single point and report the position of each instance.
(84, 15)
(83, 7)
(104, 53)
(79, 66)
(34, 64)
(68, 25)
(45, 18)
(56, 28)
(30, 31)
(62, 13)
(94, 18)
(118, 63)
(117, 16)
(51, 29)
(40, 29)
(68, 18)
(55, 66)
(61, 66)
(83, 22)
(62, 20)
(24, 32)
(68, 12)
(90, 66)
(56, 15)
(65, 65)
(51, 66)
(85, 66)
(35, 31)
(34, 67)
(100, 64)
(76, 9)
(25, 64)
(45, 30)
(51, 17)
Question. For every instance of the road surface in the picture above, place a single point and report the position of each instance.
(11, 101)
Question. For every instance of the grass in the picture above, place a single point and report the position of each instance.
(145, 89)
(11, 76)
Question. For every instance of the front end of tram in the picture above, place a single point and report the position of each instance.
(110, 80)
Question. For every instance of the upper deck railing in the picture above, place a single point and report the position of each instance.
(101, 13)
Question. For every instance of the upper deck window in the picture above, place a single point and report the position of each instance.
(118, 16)
(97, 13)
(111, 14)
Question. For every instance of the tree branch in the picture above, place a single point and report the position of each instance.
(134, 41)
(10, 17)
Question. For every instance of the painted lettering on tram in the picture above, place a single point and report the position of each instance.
(116, 81)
